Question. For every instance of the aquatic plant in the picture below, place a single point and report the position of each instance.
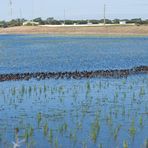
(123, 111)
(50, 137)
(0, 137)
(100, 85)
(125, 145)
(123, 81)
(124, 95)
(63, 127)
(116, 94)
(134, 95)
(79, 125)
(95, 128)
(45, 88)
(34, 88)
(45, 129)
(141, 121)
(40, 90)
(132, 129)
(109, 120)
(22, 90)
(39, 118)
(29, 90)
(130, 87)
(26, 135)
(31, 131)
(31, 144)
(88, 85)
(142, 91)
(56, 143)
(146, 143)
(13, 91)
(84, 144)
(116, 131)
(72, 136)
(100, 145)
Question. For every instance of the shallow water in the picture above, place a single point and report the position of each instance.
(79, 113)
(83, 113)
(26, 53)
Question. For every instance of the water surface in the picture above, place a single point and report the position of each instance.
(30, 53)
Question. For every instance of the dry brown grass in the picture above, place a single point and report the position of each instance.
(75, 30)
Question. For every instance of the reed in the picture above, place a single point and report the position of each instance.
(141, 121)
(125, 145)
(45, 129)
(39, 118)
(50, 137)
(95, 128)
(132, 129)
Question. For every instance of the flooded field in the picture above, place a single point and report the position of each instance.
(73, 113)
(34, 53)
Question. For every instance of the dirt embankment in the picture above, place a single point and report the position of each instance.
(77, 30)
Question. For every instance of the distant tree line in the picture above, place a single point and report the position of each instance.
(52, 21)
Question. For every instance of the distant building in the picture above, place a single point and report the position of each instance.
(30, 23)
(89, 23)
(122, 22)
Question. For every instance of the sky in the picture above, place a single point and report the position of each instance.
(74, 9)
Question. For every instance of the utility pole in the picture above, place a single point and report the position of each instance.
(32, 11)
(20, 16)
(10, 3)
(104, 14)
(20, 13)
(64, 16)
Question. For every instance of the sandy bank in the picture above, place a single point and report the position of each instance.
(77, 30)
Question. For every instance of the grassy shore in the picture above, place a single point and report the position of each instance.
(77, 30)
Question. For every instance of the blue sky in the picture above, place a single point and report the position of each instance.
(74, 9)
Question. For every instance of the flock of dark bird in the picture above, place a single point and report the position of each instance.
(75, 75)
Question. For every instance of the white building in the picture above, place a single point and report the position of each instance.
(30, 23)
(122, 22)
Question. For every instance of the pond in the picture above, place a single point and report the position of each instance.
(34, 53)
(96, 112)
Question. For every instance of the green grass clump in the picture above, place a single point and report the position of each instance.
(45, 129)
(45, 88)
(88, 85)
(50, 137)
(142, 91)
(141, 121)
(26, 135)
(31, 132)
(56, 143)
(100, 145)
(95, 128)
(125, 145)
(116, 131)
(146, 143)
(39, 118)
(132, 129)
(63, 127)
(29, 90)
